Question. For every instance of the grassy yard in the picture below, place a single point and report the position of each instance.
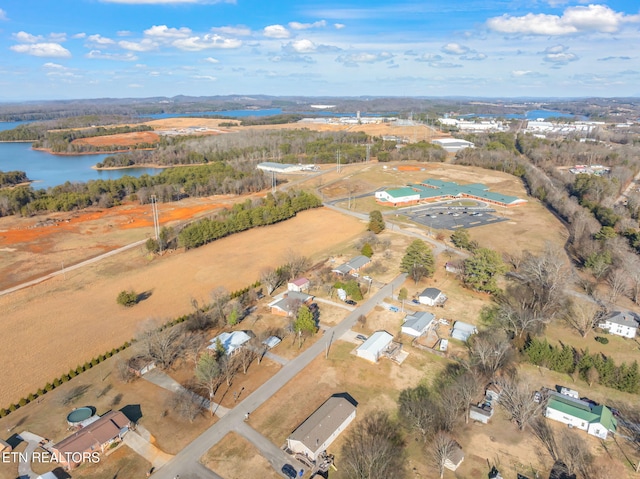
(236, 458)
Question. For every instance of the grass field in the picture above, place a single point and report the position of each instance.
(236, 458)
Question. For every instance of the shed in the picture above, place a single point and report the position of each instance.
(373, 347)
(462, 330)
(456, 456)
(298, 284)
(272, 342)
(432, 297)
(139, 365)
(416, 324)
(481, 413)
(319, 430)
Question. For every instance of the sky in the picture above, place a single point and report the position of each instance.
(67, 49)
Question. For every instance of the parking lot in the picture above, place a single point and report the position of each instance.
(445, 217)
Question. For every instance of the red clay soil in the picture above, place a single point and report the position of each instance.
(120, 139)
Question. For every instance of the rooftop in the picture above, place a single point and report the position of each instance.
(623, 319)
(431, 293)
(418, 321)
(95, 434)
(376, 342)
(230, 341)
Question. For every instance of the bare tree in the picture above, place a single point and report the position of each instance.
(420, 410)
(490, 352)
(209, 375)
(246, 355)
(219, 305)
(270, 279)
(186, 404)
(544, 433)
(517, 398)
(576, 454)
(466, 389)
(164, 347)
(618, 281)
(441, 448)
(583, 316)
(374, 449)
(296, 264)
(229, 366)
(632, 268)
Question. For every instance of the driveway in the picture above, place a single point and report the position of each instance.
(24, 467)
(144, 448)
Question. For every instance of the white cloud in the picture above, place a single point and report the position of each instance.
(339, 26)
(560, 58)
(474, 56)
(99, 55)
(211, 60)
(578, 19)
(306, 26)
(42, 50)
(144, 45)
(25, 37)
(276, 31)
(204, 77)
(237, 31)
(58, 37)
(79, 35)
(455, 49)
(135, 85)
(303, 46)
(100, 40)
(555, 49)
(427, 57)
(3, 15)
(162, 31)
(527, 74)
(207, 41)
(123, 33)
(354, 59)
(54, 66)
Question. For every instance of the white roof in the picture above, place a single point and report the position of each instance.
(418, 321)
(272, 341)
(376, 342)
(230, 341)
(48, 475)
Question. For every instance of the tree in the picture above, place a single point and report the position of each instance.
(127, 298)
(367, 250)
(490, 351)
(418, 261)
(403, 294)
(618, 282)
(296, 265)
(246, 355)
(232, 320)
(374, 449)
(576, 455)
(583, 316)
(185, 403)
(164, 347)
(304, 323)
(418, 409)
(544, 433)
(460, 238)
(220, 298)
(270, 279)
(376, 222)
(481, 271)
(209, 375)
(517, 398)
(441, 448)
(461, 393)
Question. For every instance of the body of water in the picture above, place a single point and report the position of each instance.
(10, 125)
(48, 170)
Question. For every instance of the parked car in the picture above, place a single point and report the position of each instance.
(415, 301)
(351, 302)
(289, 471)
(394, 309)
(367, 278)
(361, 337)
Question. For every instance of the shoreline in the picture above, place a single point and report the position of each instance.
(143, 165)
(81, 153)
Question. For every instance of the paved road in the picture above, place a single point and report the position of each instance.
(71, 268)
(184, 461)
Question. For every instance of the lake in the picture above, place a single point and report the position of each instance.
(49, 170)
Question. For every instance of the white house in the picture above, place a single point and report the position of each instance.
(298, 285)
(416, 324)
(320, 429)
(432, 297)
(354, 265)
(231, 342)
(621, 324)
(455, 458)
(596, 420)
(373, 347)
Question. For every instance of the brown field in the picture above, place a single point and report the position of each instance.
(236, 458)
(120, 139)
(31, 247)
(51, 327)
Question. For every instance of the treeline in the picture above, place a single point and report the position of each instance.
(420, 151)
(12, 178)
(169, 185)
(271, 120)
(593, 368)
(247, 215)
(62, 141)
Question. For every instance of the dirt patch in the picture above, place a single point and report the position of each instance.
(51, 327)
(236, 458)
(120, 139)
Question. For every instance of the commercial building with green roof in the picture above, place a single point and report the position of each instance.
(437, 190)
(596, 420)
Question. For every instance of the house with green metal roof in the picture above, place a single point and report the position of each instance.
(596, 420)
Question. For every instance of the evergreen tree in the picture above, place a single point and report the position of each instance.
(418, 261)
(481, 271)
(304, 323)
(461, 239)
(376, 222)
(367, 250)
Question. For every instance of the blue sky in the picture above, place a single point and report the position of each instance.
(483, 48)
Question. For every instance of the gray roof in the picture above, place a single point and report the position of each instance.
(377, 342)
(287, 300)
(359, 261)
(418, 321)
(343, 268)
(319, 427)
(462, 326)
(431, 293)
(623, 319)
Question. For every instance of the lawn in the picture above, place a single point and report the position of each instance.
(236, 458)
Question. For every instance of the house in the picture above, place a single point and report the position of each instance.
(374, 346)
(481, 413)
(432, 297)
(621, 324)
(596, 420)
(139, 365)
(231, 342)
(94, 438)
(416, 324)
(287, 303)
(298, 285)
(319, 430)
(462, 330)
(353, 265)
(455, 458)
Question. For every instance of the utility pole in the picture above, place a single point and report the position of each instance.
(368, 153)
(338, 161)
(156, 220)
(274, 182)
